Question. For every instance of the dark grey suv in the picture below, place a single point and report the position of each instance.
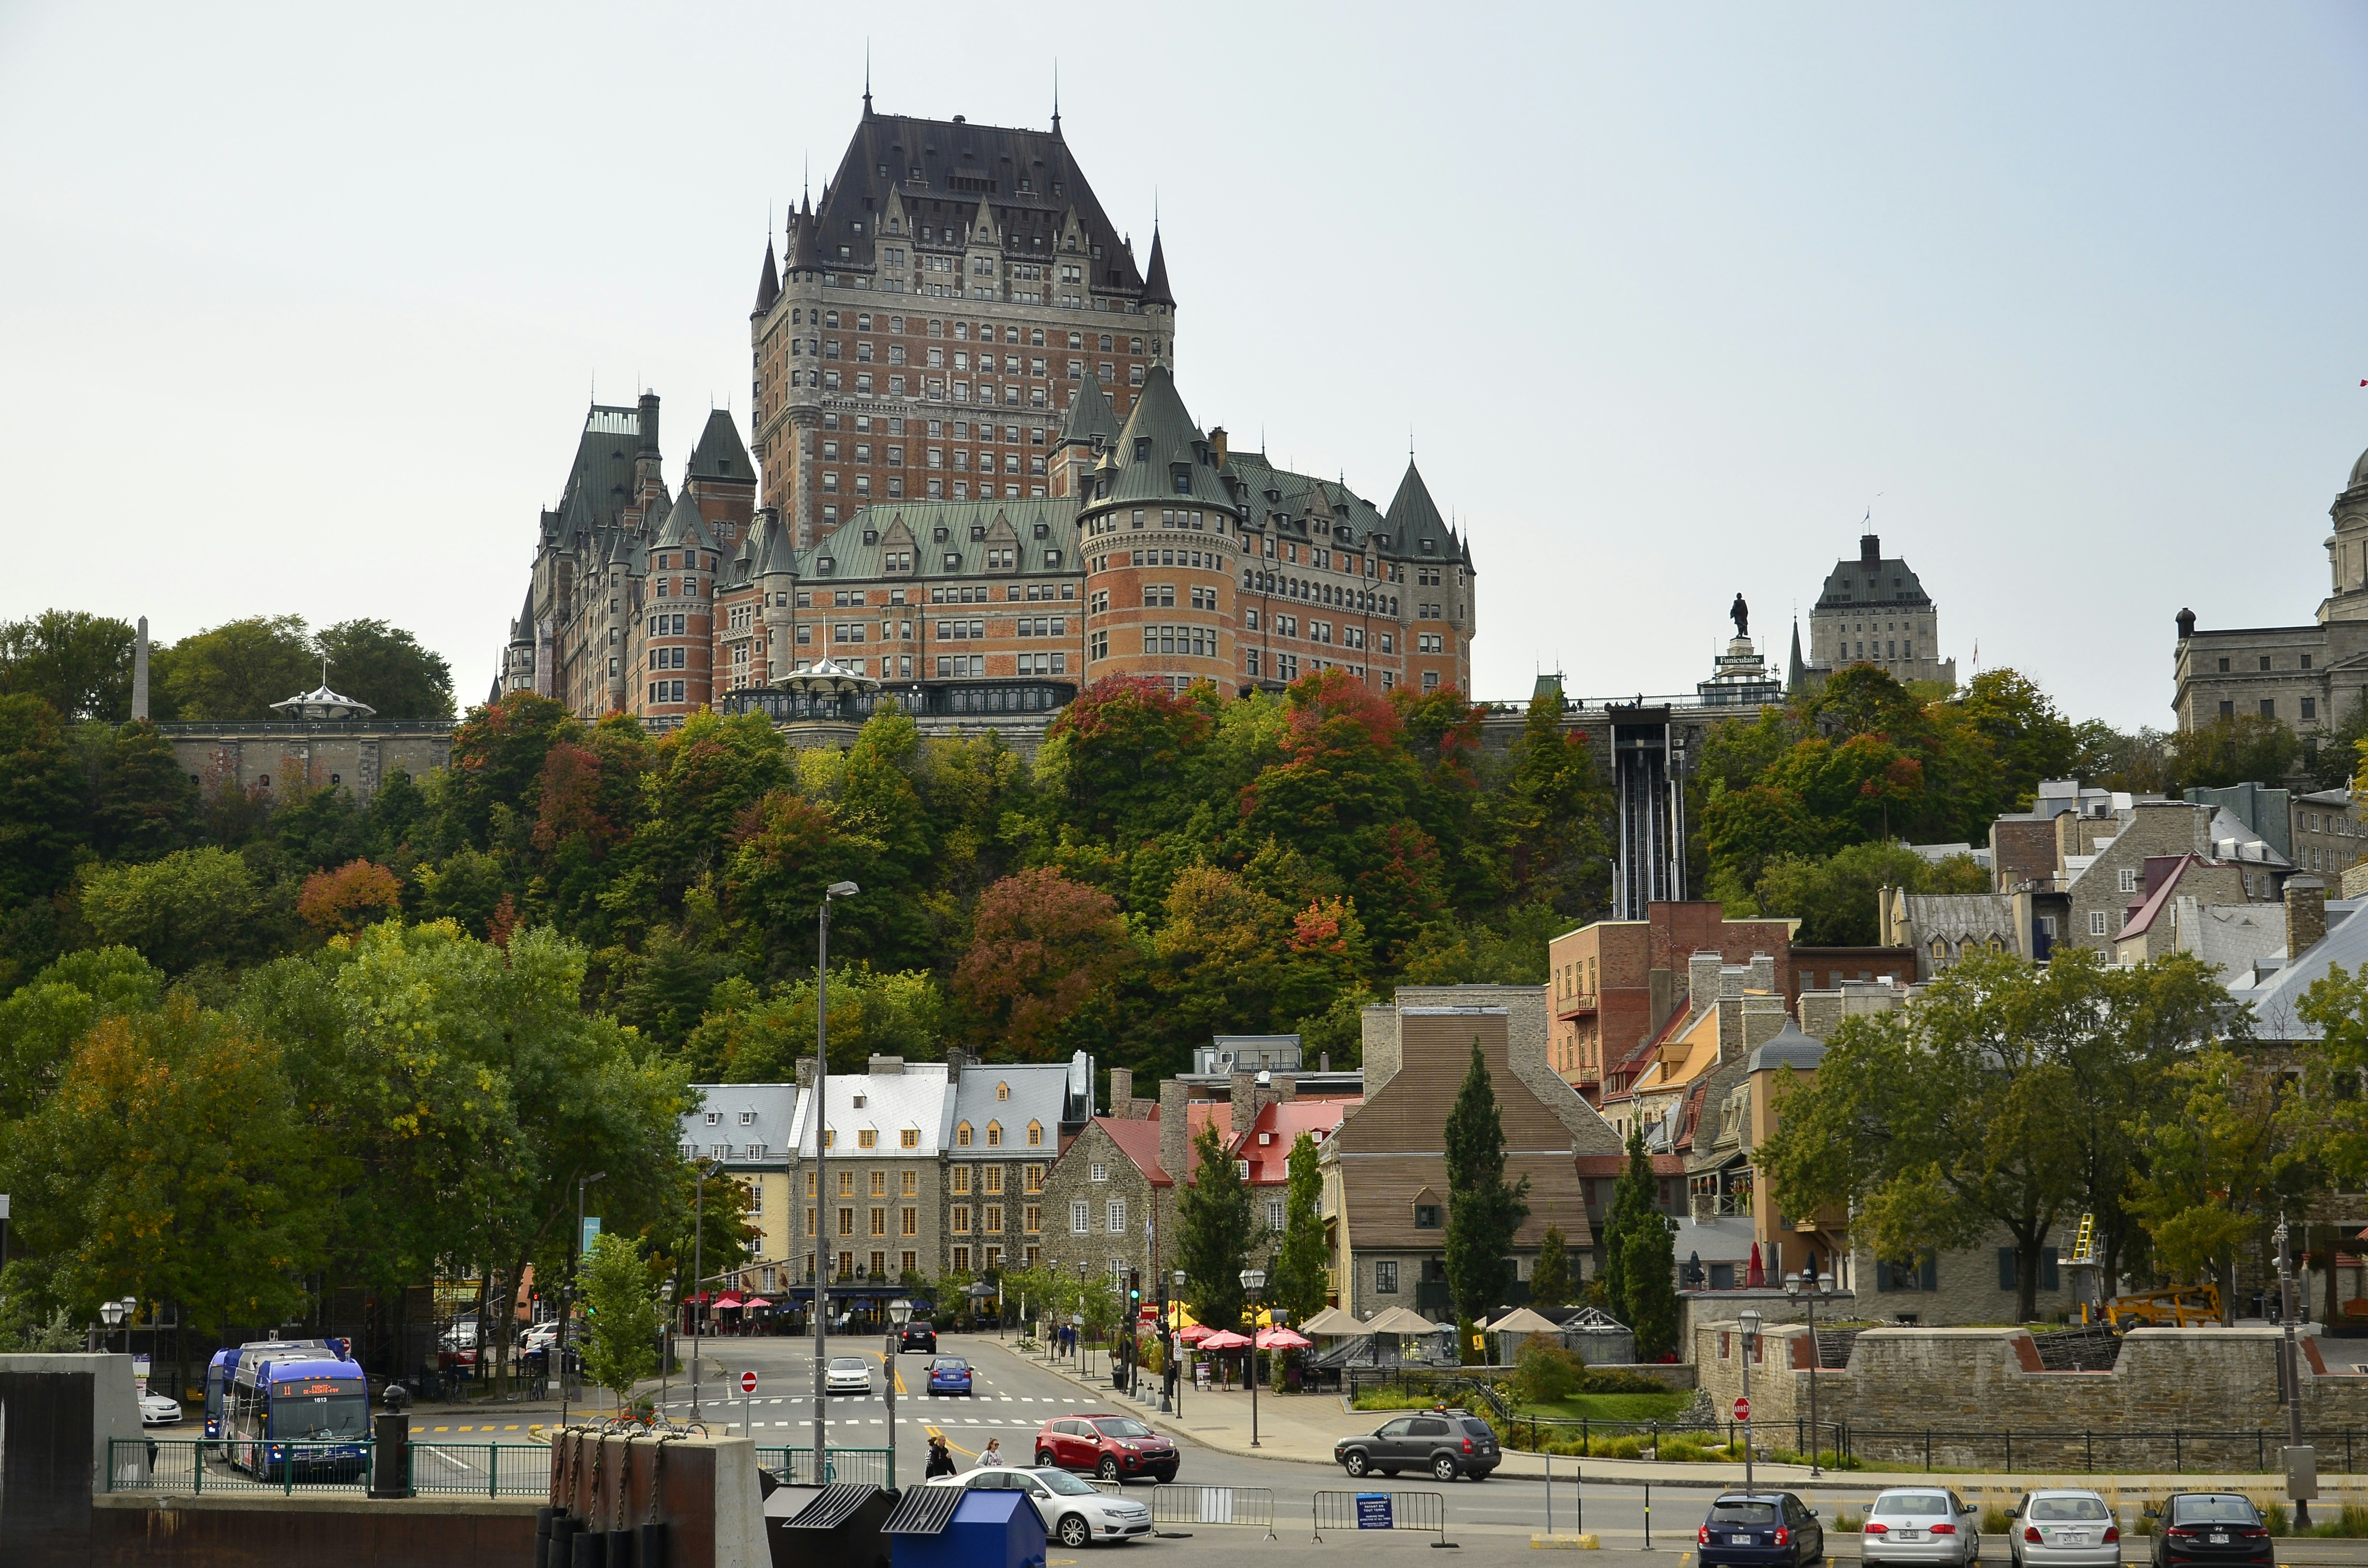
(1446, 1443)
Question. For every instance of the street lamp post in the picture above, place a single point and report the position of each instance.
(705, 1169)
(1807, 1287)
(1254, 1282)
(2293, 1379)
(665, 1345)
(900, 1312)
(1751, 1326)
(1176, 1279)
(567, 1297)
(111, 1312)
(821, 1119)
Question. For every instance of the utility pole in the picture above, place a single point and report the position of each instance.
(821, 1119)
(705, 1169)
(567, 1297)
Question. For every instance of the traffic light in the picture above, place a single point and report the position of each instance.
(1133, 1290)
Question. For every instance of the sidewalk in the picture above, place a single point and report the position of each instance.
(1303, 1427)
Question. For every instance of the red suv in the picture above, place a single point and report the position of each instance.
(1115, 1448)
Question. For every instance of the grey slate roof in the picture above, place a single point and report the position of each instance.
(961, 165)
(684, 526)
(1788, 1047)
(858, 552)
(1037, 1093)
(1154, 278)
(2276, 999)
(1854, 584)
(1160, 434)
(1413, 517)
(769, 285)
(601, 481)
(733, 1120)
(720, 454)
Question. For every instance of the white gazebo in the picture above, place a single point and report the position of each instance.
(321, 703)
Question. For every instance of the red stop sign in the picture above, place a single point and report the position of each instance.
(1742, 1408)
(748, 1385)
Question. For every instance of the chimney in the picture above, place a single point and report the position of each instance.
(1702, 980)
(1286, 1087)
(956, 1059)
(1217, 439)
(1870, 551)
(1174, 1129)
(1121, 1091)
(2306, 914)
(1243, 1086)
(139, 673)
(2186, 624)
(886, 1067)
(1763, 971)
(805, 1072)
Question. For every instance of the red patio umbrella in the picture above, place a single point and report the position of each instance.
(1282, 1339)
(1756, 1277)
(1195, 1334)
(729, 1301)
(756, 1301)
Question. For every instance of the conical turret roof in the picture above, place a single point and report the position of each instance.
(769, 285)
(1155, 279)
(1090, 415)
(720, 454)
(1413, 517)
(805, 248)
(684, 526)
(777, 555)
(1161, 445)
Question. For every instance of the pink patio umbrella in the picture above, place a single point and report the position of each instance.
(1282, 1339)
(756, 1301)
(1195, 1333)
(1225, 1339)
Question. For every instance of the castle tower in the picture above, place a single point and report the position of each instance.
(675, 633)
(1158, 533)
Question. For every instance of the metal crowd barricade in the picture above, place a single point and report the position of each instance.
(1175, 1505)
(796, 1465)
(1424, 1511)
(185, 1464)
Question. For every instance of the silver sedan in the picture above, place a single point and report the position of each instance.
(2065, 1529)
(848, 1374)
(1921, 1525)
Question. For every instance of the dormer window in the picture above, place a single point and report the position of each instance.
(1002, 1091)
(1180, 474)
(1430, 546)
(859, 1100)
(748, 1119)
(995, 1137)
(714, 1118)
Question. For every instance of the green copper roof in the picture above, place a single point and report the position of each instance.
(720, 454)
(1162, 455)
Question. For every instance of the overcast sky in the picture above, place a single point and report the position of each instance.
(300, 308)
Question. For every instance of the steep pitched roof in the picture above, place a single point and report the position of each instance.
(1872, 579)
(1154, 278)
(600, 482)
(941, 173)
(720, 454)
(1138, 1140)
(856, 552)
(1090, 415)
(1414, 517)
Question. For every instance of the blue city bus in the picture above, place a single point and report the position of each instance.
(284, 1417)
(225, 1367)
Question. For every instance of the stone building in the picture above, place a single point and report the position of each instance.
(748, 1131)
(1386, 1194)
(1011, 1123)
(2307, 677)
(874, 1210)
(1872, 610)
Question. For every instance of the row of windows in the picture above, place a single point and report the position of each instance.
(961, 331)
(1192, 641)
(2265, 663)
(2309, 708)
(1081, 1217)
(1139, 517)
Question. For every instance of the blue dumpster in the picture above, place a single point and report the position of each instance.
(950, 1527)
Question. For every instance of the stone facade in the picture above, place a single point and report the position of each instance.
(1969, 1386)
(1872, 610)
(1105, 1208)
(278, 758)
(2325, 832)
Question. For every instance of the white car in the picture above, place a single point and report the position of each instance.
(159, 1410)
(1076, 1512)
(848, 1374)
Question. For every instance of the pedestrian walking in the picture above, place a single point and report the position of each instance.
(994, 1455)
(941, 1458)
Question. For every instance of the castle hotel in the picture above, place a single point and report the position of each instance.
(975, 484)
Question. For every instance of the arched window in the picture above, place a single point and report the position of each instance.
(994, 1135)
(1002, 1091)
(961, 1136)
(1035, 1134)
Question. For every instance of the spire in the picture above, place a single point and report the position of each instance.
(1796, 674)
(1057, 100)
(867, 78)
(1154, 282)
(768, 286)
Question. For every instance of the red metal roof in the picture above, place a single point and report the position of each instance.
(1139, 1141)
(1270, 1162)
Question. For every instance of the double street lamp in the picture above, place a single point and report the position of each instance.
(1750, 1323)
(123, 1312)
(1807, 1286)
(1254, 1284)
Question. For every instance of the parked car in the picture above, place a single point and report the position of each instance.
(159, 1410)
(848, 1374)
(1116, 1447)
(1921, 1524)
(1076, 1513)
(1445, 1442)
(919, 1335)
(2210, 1528)
(1758, 1528)
(2066, 1528)
(949, 1375)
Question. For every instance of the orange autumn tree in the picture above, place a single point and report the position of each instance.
(357, 894)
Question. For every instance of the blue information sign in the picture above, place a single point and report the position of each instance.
(1372, 1510)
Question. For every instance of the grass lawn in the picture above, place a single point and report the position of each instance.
(1616, 1406)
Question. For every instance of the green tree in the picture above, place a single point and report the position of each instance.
(621, 1332)
(2234, 750)
(145, 805)
(1299, 1285)
(78, 664)
(744, 1039)
(238, 670)
(170, 1165)
(1548, 819)
(2218, 1157)
(1649, 1265)
(1484, 1210)
(193, 906)
(386, 667)
(43, 1020)
(1217, 1232)
(40, 801)
(1550, 1279)
(1835, 897)
(1632, 1209)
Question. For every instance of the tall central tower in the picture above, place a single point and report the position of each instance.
(938, 310)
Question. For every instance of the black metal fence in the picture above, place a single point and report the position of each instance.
(2175, 1450)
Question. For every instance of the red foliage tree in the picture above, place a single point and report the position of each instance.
(1042, 947)
(356, 894)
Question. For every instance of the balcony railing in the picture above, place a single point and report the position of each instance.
(1569, 1005)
